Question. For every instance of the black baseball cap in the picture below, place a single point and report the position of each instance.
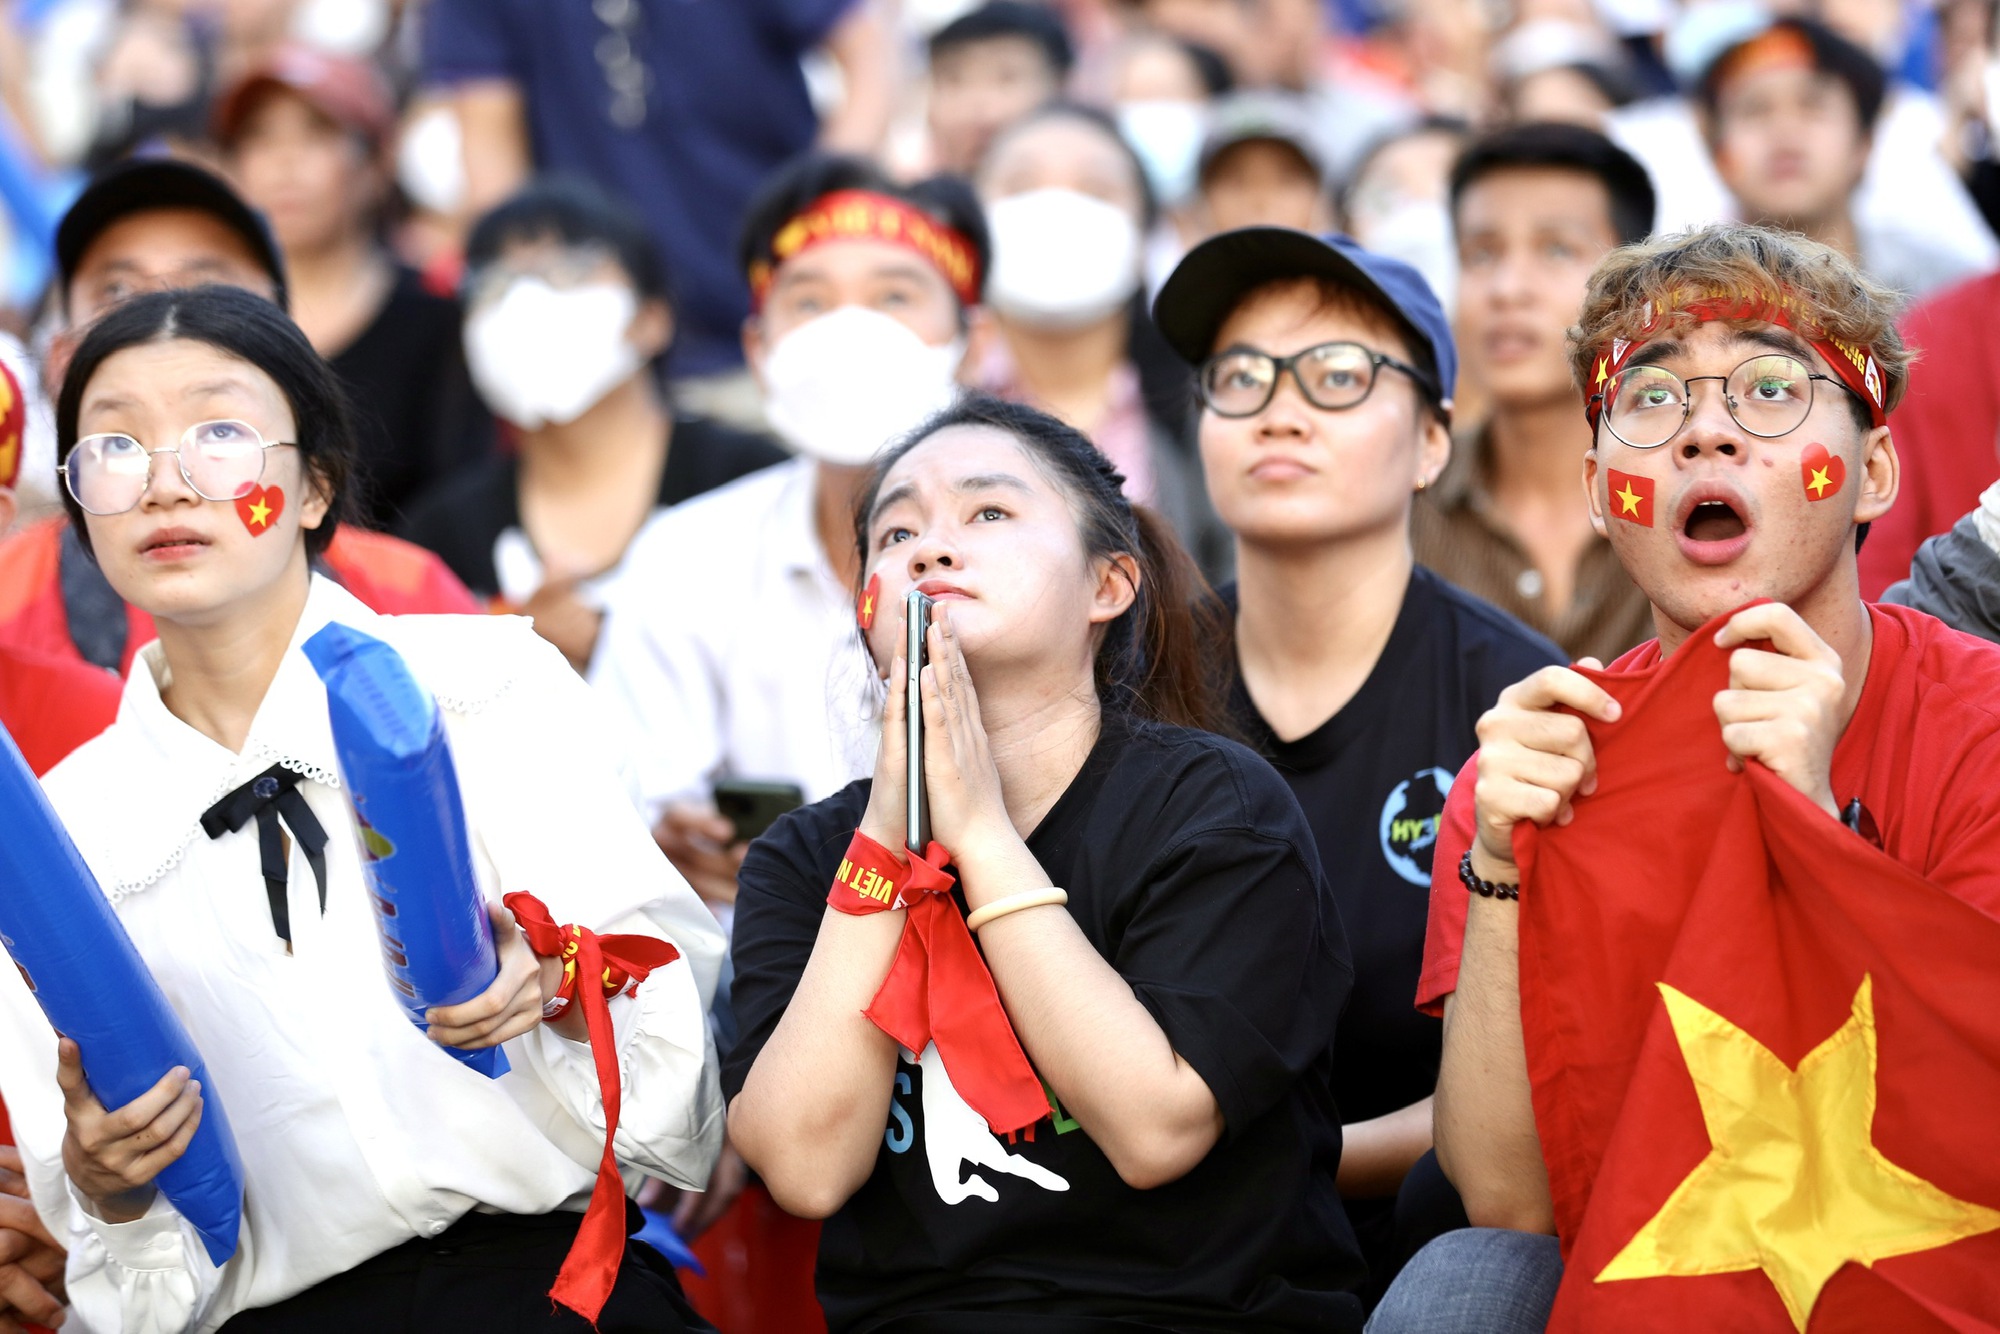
(1214, 276)
(141, 185)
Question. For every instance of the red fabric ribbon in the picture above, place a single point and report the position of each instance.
(938, 989)
(620, 963)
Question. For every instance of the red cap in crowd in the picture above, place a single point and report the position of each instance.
(348, 92)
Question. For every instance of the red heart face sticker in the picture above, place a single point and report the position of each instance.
(864, 610)
(259, 508)
(1821, 472)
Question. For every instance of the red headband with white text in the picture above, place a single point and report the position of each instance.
(1854, 366)
(863, 215)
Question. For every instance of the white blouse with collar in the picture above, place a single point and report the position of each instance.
(357, 1132)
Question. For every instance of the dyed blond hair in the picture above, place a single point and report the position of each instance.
(1824, 295)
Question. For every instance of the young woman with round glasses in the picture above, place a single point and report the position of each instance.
(1141, 1000)
(205, 453)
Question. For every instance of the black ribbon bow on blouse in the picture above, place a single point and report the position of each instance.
(271, 796)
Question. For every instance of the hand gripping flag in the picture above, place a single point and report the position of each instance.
(1764, 1056)
(93, 986)
(437, 944)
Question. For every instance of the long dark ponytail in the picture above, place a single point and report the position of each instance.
(1165, 658)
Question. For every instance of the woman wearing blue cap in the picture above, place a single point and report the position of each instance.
(1325, 373)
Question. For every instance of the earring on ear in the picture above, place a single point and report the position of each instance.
(1423, 482)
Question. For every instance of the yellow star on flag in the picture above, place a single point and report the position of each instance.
(260, 513)
(1819, 483)
(1793, 1183)
(868, 604)
(1628, 500)
(1602, 375)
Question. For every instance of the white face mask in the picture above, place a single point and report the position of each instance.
(1418, 232)
(543, 356)
(844, 384)
(1061, 259)
(354, 28)
(1166, 134)
(430, 160)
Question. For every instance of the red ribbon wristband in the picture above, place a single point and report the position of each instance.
(619, 964)
(938, 989)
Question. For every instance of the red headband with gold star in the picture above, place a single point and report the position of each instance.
(1854, 366)
(863, 215)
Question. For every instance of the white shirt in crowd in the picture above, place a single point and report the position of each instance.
(729, 647)
(357, 1133)
(1917, 227)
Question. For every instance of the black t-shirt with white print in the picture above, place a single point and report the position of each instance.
(1191, 870)
(1372, 780)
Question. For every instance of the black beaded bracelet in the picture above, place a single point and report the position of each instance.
(1485, 889)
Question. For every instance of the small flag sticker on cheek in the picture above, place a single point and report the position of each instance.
(1632, 498)
(864, 610)
(1821, 471)
(259, 508)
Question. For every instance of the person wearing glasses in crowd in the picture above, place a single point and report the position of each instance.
(1126, 1123)
(1748, 378)
(1326, 374)
(140, 226)
(205, 450)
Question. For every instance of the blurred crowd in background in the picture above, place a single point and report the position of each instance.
(1102, 138)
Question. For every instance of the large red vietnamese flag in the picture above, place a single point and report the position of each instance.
(1765, 1055)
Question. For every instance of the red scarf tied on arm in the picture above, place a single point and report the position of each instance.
(615, 964)
(938, 989)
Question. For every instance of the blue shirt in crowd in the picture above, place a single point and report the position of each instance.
(679, 107)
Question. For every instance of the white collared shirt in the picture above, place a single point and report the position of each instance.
(729, 647)
(357, 1133)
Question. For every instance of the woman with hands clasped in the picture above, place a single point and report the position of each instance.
(1111, 1112)
(387, 1186)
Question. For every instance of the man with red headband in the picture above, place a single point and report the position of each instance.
(1738, 383)
(731, 648)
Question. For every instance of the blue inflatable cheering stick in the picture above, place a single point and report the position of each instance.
(437, 943)
(95, 989)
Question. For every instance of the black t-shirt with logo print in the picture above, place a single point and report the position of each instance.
(1372, 780)
(1191, 870)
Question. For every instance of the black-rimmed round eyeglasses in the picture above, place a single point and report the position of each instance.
(1769, 395)
(1240, 382)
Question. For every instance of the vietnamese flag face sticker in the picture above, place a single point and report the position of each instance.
(259, 508)
(864, 610)
(1821, 472)
(1632, 498)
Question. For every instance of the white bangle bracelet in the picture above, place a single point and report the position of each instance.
(1029, 898)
